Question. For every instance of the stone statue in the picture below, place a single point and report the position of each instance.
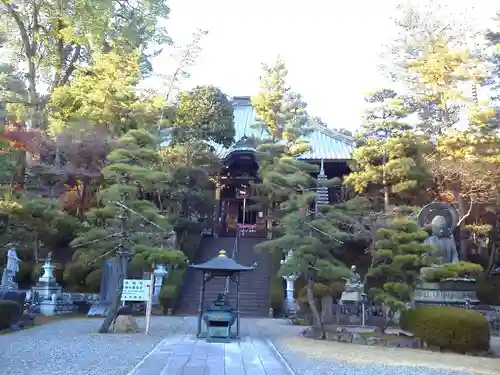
(353, 290)
(443, 220)
(442, 240)
(13, 261)
(353, 283)
(11, 268)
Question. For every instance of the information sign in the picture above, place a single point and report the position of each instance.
(136, 290)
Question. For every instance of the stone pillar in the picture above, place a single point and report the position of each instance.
(216, 226)
(291, 304)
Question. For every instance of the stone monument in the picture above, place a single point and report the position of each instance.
(50, 292)
(442, 219)
(47, 284)
(108, 288)
(10, 270)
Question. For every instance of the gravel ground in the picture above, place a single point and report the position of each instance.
(311, 357)
(73, 347)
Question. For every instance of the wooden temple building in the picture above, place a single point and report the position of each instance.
(329, 150)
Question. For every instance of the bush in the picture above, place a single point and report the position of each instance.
(277, 295)
(10, 313)
(488, 289)
(319, 291)
(453, 271)
(449, 328)
(171, 288)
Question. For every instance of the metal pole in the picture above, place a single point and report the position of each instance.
(244, 208)
(149, 304)
(200, 310)
(238, 306)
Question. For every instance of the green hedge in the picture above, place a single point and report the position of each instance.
(448, 328)
(277, 295)
(171, 288)
(169, 292)
(10, 313)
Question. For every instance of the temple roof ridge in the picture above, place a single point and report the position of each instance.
(246, 101)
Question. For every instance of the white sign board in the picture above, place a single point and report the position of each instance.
(136, 290)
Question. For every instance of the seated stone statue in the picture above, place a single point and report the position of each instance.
(445, 248)
(353, 290)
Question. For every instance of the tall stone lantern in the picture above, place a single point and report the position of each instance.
(290, 302)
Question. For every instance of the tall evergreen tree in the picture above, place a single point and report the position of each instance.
(398, 258)
(132, 176)
(389, 158)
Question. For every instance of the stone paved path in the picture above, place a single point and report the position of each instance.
(181, 353)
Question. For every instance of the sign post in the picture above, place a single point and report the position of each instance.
(138, 290)
(149, 303)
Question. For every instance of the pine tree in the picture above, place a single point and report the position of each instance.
(283, 120)
(397, 260)
(389, 157)
(132, 176)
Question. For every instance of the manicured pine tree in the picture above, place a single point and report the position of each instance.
(389, 159)
(397, 259)
(131, 175)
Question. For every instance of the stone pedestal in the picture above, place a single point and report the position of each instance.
(8, 282)
(452, 293)
(356, 296)
(290, 303)
(57, 305)
(47, 284)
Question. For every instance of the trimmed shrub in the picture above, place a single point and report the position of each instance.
(453, 271)
(319, 291)
(171, 288)
(406, 317)
(488, 289)
(277, 295)
(10, 313)
(449, 328)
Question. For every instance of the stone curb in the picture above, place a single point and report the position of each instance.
(280, 357)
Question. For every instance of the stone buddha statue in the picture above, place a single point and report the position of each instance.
(353, 283)
(442, 219)
(442, 240)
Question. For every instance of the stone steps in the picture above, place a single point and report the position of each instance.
(254, 286)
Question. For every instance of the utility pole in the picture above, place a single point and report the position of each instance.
(123, 254)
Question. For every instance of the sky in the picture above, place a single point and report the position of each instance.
(331, 48)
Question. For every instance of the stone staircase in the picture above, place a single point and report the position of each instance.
(254, 286)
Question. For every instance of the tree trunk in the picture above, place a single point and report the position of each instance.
(462, 211)
(386, 185)
(314, 310)
(113, 309)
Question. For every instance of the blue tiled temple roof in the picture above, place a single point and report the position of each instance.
(325, 144)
